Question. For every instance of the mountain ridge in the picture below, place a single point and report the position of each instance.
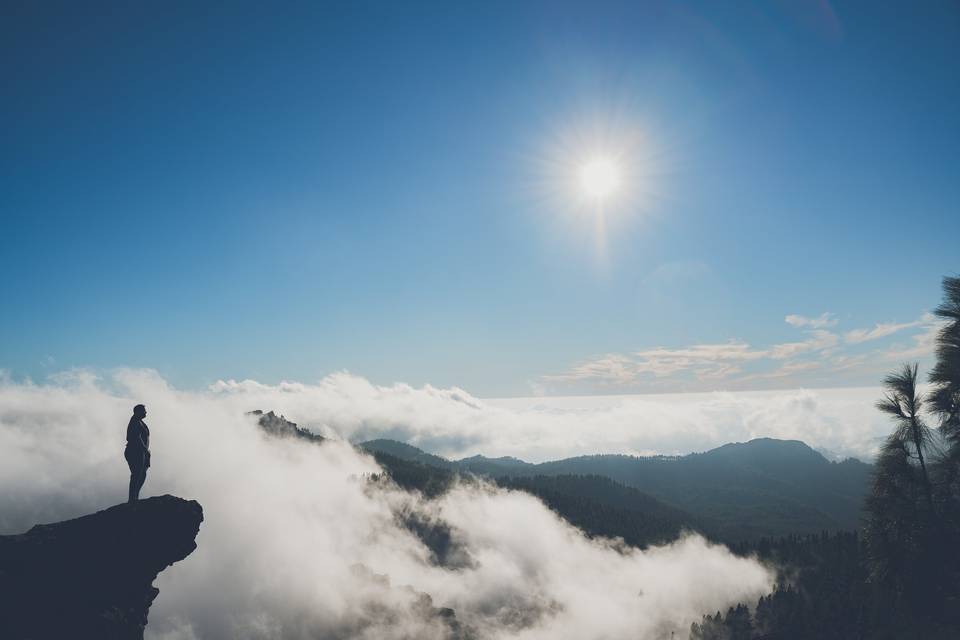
(740, 491)
(762, 487)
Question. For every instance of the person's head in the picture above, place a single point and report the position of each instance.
(140, 411)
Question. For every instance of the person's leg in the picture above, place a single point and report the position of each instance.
(137, 477)
(141, 480)
(134, 489)
(131, 464)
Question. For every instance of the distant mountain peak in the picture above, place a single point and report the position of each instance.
(509, 461)
(767, 446)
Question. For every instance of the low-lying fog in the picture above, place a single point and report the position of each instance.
(297, 543)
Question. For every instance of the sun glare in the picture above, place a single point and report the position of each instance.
(595, 177)
(600, 178)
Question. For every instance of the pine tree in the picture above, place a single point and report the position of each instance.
(913, 511)
(904, 402)
(945, 377)
(946, 372)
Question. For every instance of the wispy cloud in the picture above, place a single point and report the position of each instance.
(882, 330)
(825, 319)
(823, 356)
(732, 350)
(791, 368)
(923, 343)
(706, 361)
(614, 368)
(819, 340)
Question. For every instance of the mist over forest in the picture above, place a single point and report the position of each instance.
(297, 540)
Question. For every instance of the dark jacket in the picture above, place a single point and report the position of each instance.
(138, 441)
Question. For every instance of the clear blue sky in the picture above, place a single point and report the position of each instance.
(280, 192)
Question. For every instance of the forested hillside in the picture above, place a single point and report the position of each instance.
(825, 594)
(737, 492)
(595, 504)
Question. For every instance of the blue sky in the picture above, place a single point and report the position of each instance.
(386, 188)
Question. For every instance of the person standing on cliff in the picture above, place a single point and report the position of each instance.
(137, 452)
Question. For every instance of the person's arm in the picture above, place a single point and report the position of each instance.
(145, 439)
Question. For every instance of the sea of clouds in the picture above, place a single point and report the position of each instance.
(453, 423)
(297, 542)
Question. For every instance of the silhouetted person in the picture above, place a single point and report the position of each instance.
(137, 452)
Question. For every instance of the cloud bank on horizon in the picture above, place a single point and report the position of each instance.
(298, 543)
(455, 424)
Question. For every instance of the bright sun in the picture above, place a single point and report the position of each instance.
(599, 178)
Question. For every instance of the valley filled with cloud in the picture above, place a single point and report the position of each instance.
(302, 540)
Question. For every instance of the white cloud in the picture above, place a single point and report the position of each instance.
(822, 358)
(819, 340)
(880, 330)
(294, 539)
(454, 423)
(846, 362)
(720, 372)
(706, 362)
(733, 350)
(612, 368)
(923, 343)
(825, 319)
(790, 368)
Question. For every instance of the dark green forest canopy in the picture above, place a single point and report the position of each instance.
(737, 492)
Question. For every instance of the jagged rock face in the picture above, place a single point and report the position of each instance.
(279, 426)
(92, 577)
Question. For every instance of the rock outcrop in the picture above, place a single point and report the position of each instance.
(92, 577)
(280, 427)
